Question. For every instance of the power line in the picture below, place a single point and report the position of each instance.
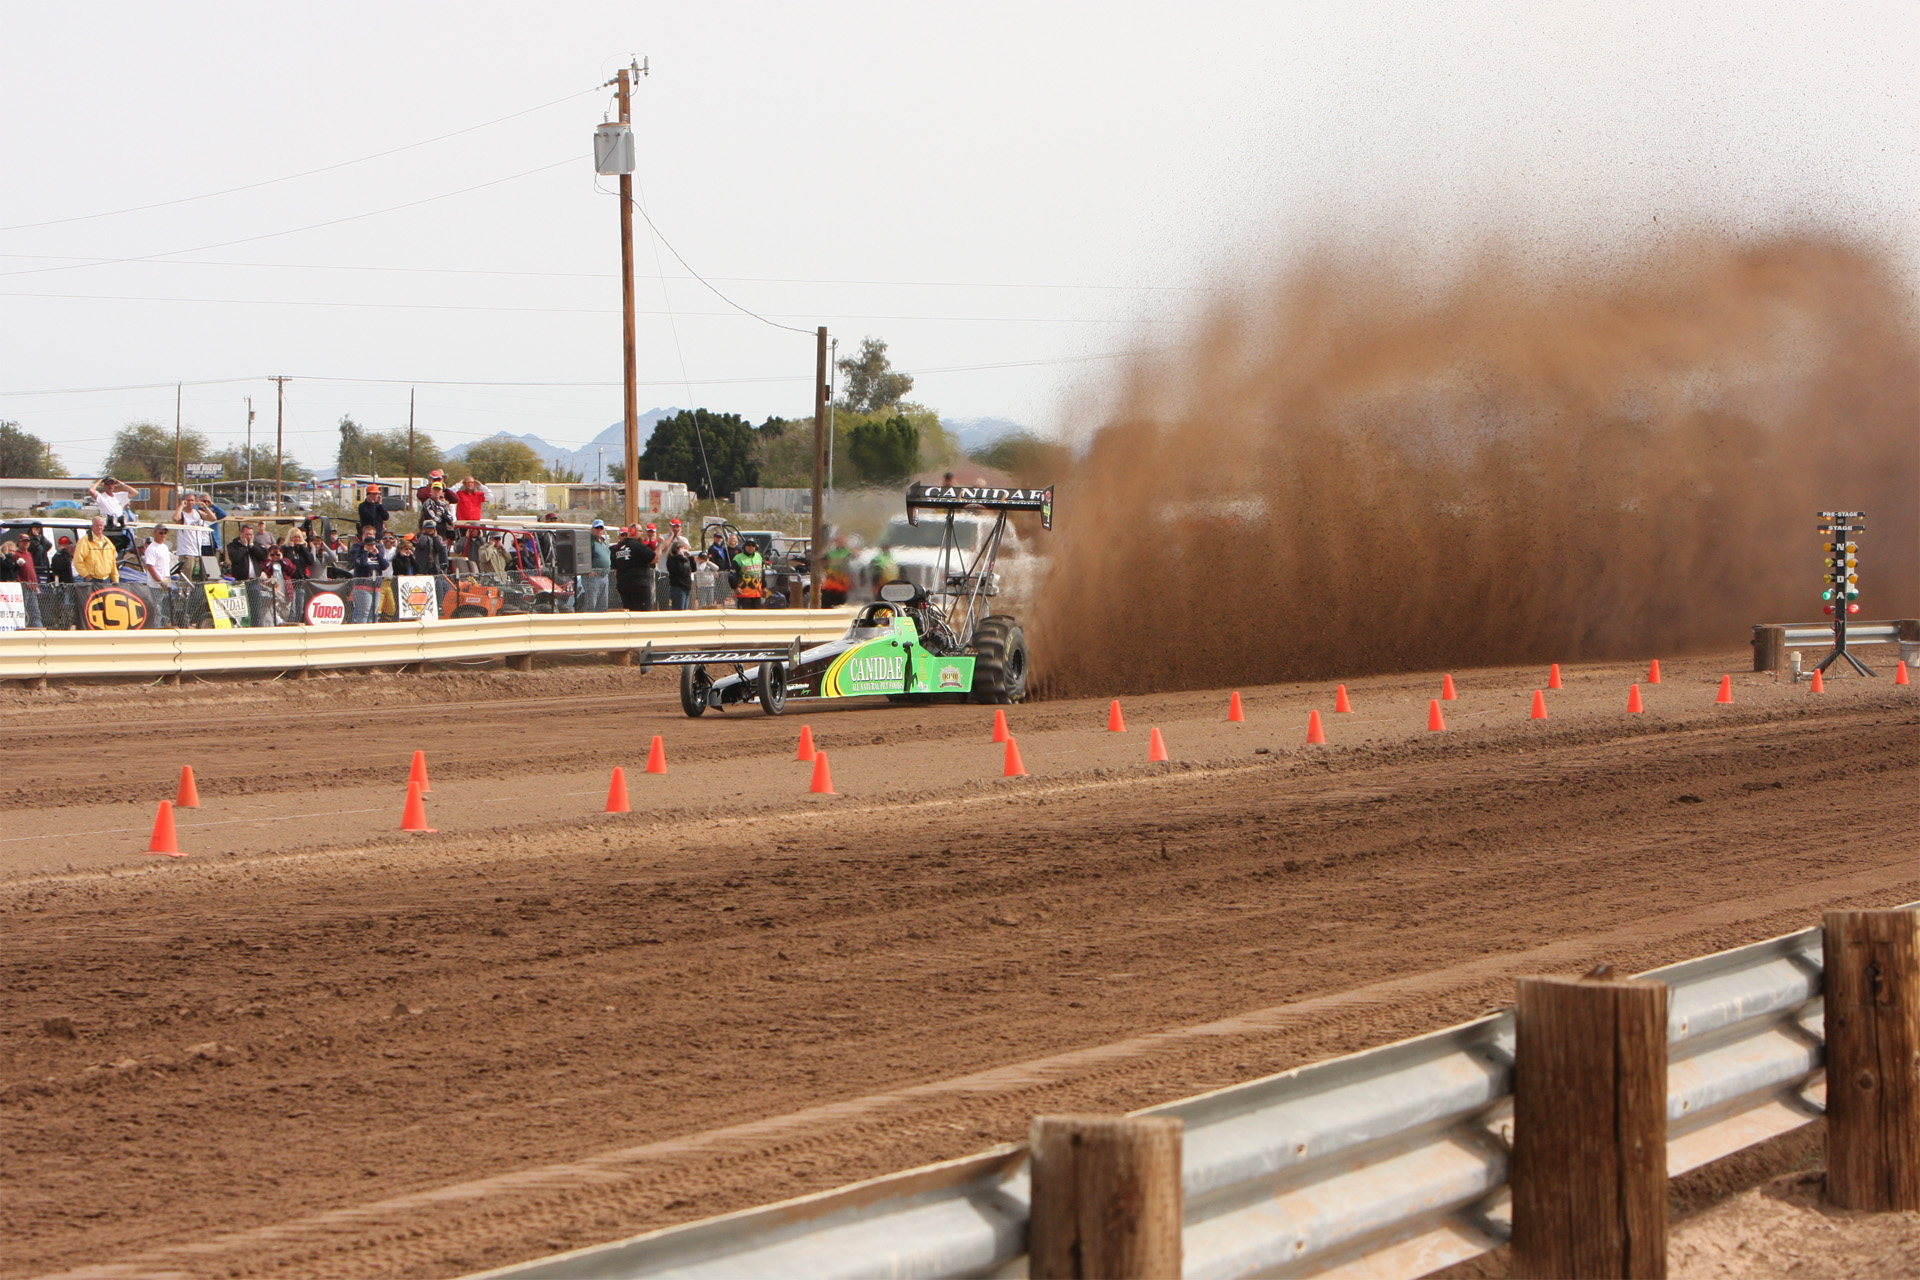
(703, 280)
(315, 226)
(292, 177)
(611, 275)
(581, 311)
(470, 382)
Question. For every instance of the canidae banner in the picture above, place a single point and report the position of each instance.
(13, 606)
(227, 603)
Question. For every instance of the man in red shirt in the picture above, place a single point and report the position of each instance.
(469, 498)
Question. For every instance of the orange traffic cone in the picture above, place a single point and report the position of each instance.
(1316, 735)
(414, 816)
(1156, 747)
(1340, 704)
(1539, 706)
(617, 792)
(1234, 710)
(1900, 673)
(1014, 769)
(822, 776)
(1447, 693)
(1553, 677)
(1726, 689)
(1116, 723)
(657, 756)
(189, 797)
(1633, 700)
(1653, 672)
(1435, 721)
(806, 743)
(164, 840)
(417, 776)
(1819, 682)
(1000, 733)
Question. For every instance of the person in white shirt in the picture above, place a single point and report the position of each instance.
(190, 531)
(159, 560)
(114, 500)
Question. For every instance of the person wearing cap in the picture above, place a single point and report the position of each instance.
(60, 563)
(434, 506)
(372, 514)
(594, 583)
(750, 586)
(436, 479)
(39, 548)
(493, 557)
(633, 570)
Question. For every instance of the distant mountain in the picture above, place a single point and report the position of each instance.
(977, 433)
(585, 460)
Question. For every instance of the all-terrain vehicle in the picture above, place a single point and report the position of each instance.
(910, 645)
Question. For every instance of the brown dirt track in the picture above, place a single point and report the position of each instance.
(546, 1027)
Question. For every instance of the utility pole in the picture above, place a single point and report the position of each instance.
(625, 81)
(179, 475)
(249, 497)
(279, 443)
(818, 550)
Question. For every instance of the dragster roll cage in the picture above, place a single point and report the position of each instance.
(649, 657)
(964, 497)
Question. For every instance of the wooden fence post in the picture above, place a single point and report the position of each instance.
(1106, 1198)
(1872, 993)
(1589, 1170)
(1769, 648)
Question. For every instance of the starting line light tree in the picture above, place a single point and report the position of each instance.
(1842, 592)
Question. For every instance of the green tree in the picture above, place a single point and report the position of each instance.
(234, 459)
(499, 460)
(675, 452)
(24, 455)
(870, 383)
(145, 451)
(555, 473)
(885, 453)
(384, 452)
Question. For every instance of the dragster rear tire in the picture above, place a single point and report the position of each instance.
(1000, 661)
(694, 683)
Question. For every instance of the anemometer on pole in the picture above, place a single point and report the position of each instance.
(1842, 592)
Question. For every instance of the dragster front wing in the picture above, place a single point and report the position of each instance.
(719, 655)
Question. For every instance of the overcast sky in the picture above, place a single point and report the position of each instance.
(1008, 194)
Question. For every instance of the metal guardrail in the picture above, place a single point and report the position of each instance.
(1387, 1163)
(1812, 637)
(27, 655)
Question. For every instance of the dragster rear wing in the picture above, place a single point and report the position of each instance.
(719, 655)
(965, 497)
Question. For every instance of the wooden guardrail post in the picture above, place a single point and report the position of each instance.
(1106, 1198)
(1589, 1171)
(1769, 648)
(1872, 994)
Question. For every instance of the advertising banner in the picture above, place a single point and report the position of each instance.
(415, 597)
(114, 609)
(325, 608)
(13, 606)
(227, 602)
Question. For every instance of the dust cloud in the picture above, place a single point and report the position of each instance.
(1361, 470)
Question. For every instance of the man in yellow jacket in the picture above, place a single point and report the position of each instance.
(95, 559)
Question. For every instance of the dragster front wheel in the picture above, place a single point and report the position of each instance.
(773, 688)
(694, 686)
